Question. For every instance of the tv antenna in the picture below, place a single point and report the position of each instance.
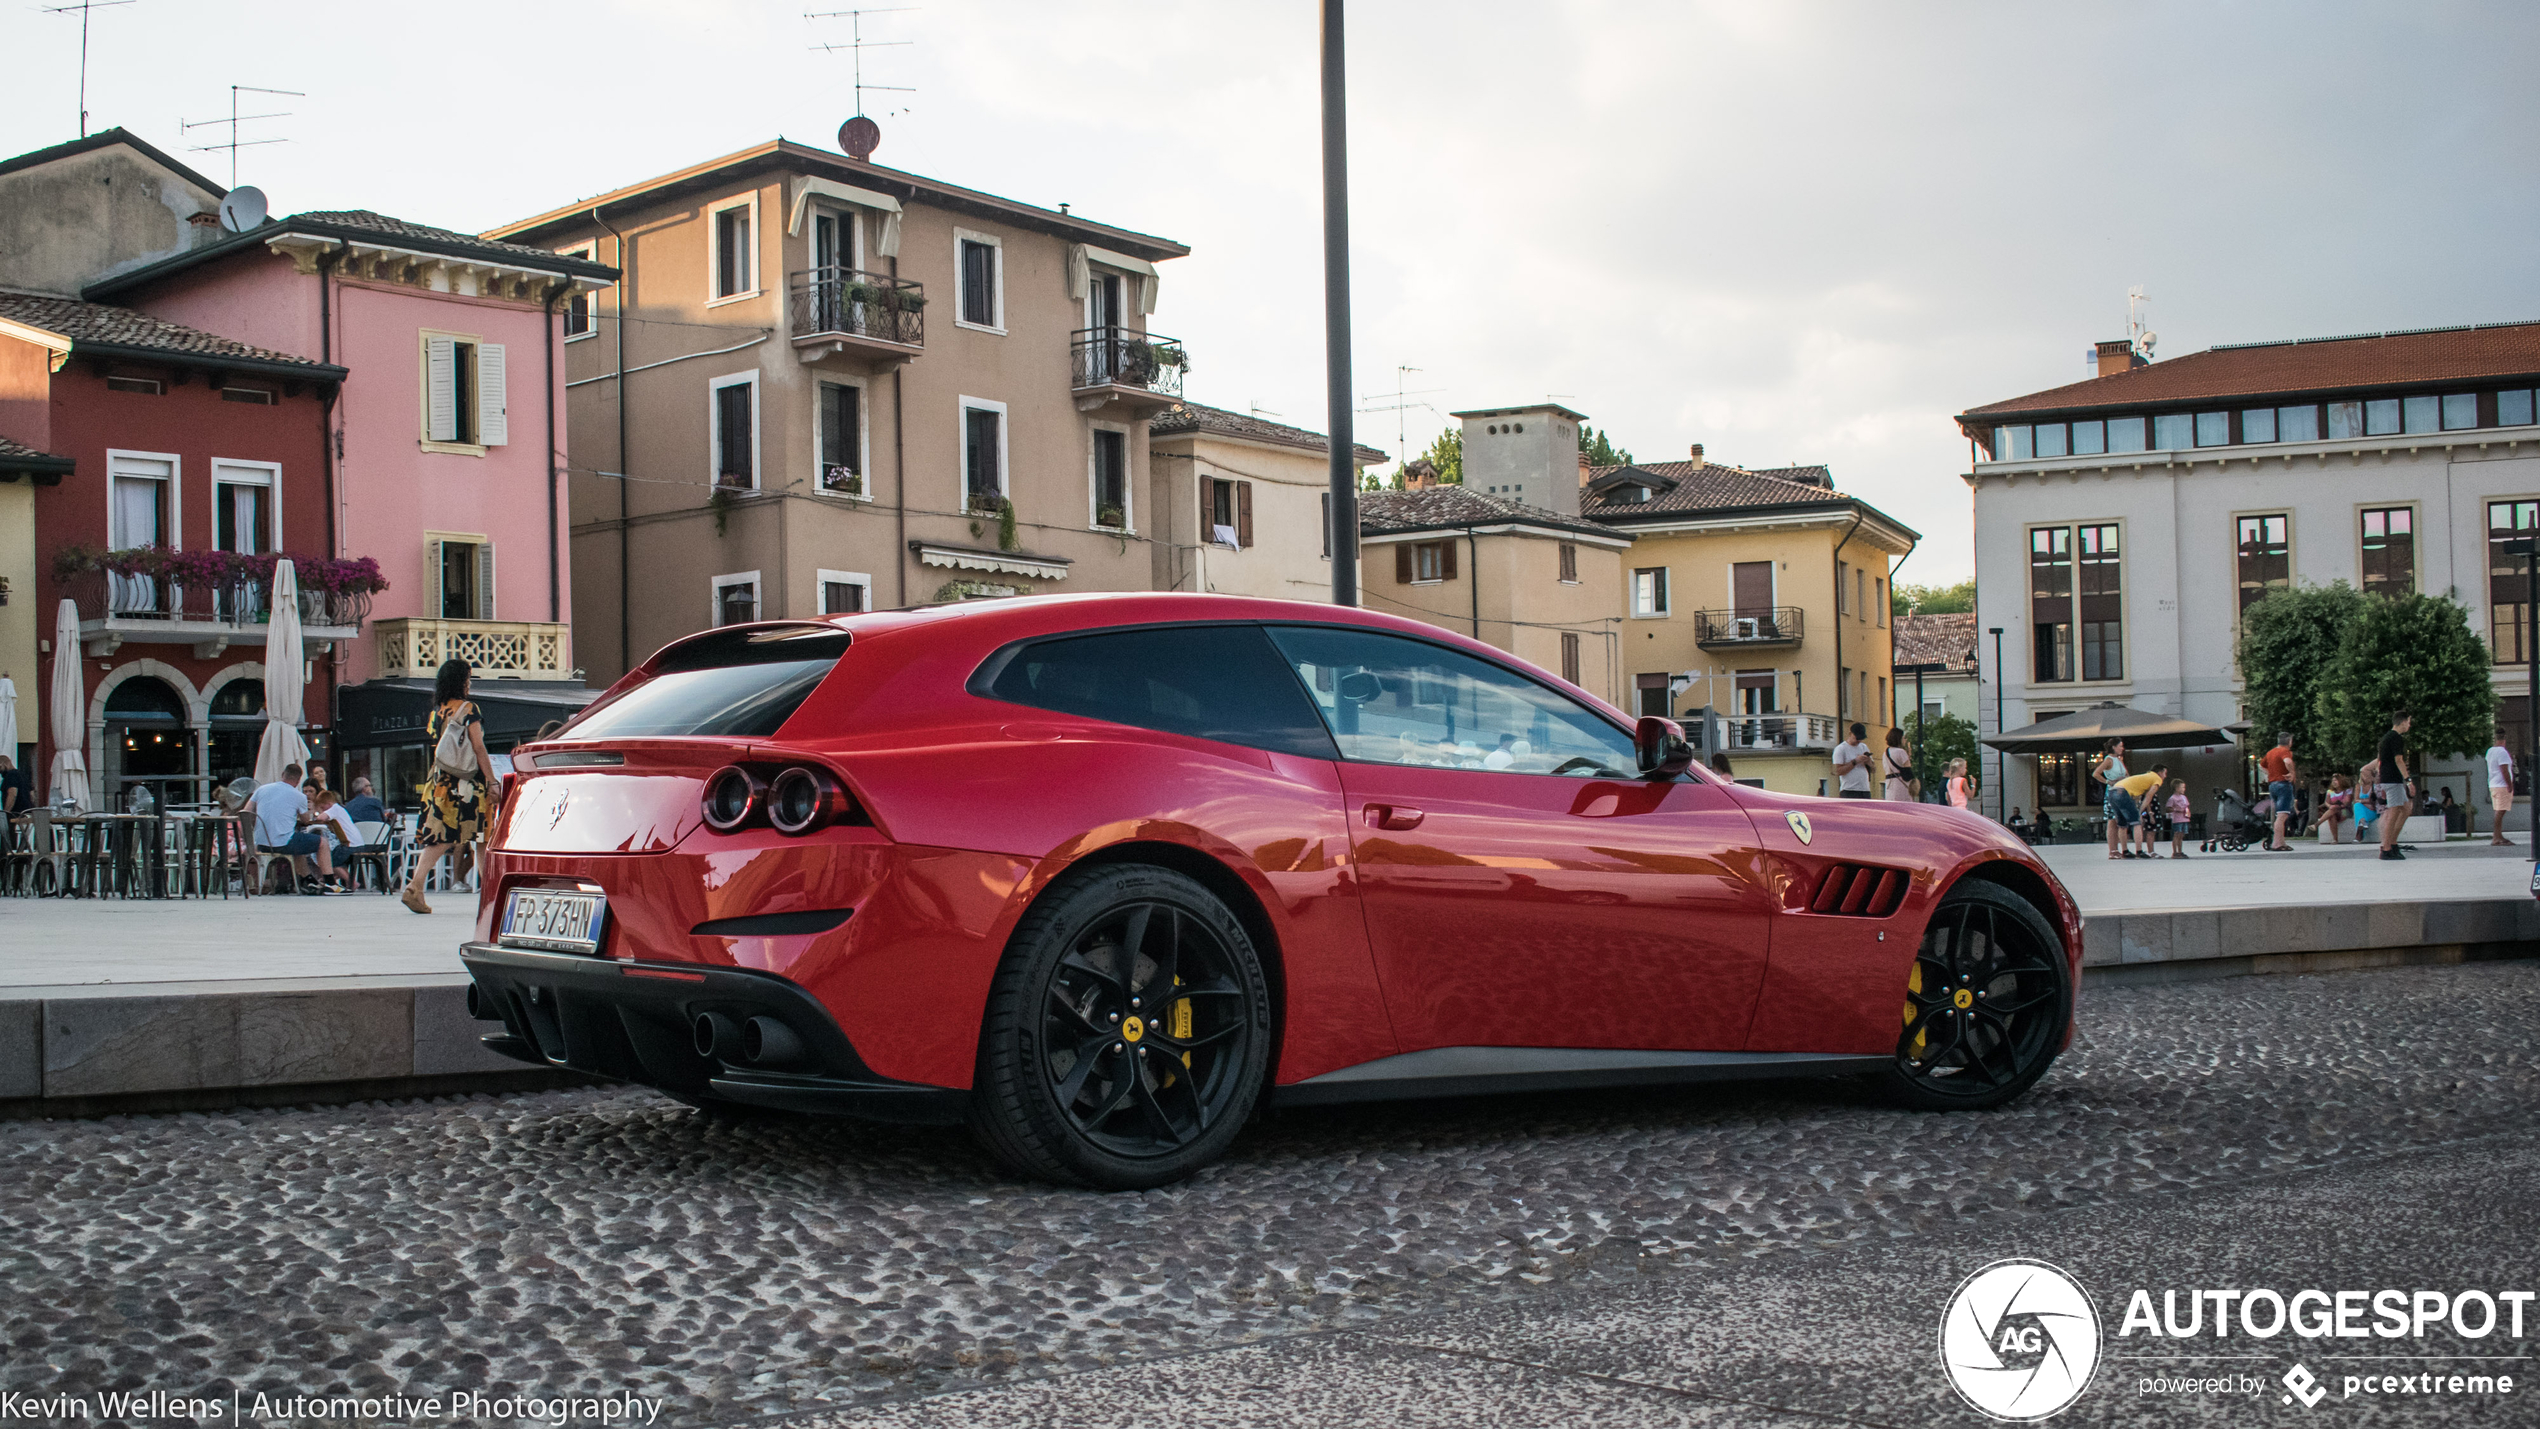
(1401, 406)
(235, 119)
(2138, 330)
(82, 9)
(857, 44)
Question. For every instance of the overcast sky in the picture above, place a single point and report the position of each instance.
(1791, 232)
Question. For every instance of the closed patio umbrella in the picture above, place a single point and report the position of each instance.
(8, 717)
(70, 711)
(282, 743)
(2083, 731)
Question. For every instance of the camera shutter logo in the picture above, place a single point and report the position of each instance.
(2020, 1340)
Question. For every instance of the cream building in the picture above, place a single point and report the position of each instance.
(1241, 504)
(22, 469)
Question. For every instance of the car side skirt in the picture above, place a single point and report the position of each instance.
(1481, 1071)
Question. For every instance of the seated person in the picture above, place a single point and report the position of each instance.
(1502, 756)
(364, 807)
(2017, 823)
(280, 810)
(335, 819)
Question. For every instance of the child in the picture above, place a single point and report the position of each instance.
(2340, 800)
(1958, 790)
(2181, 812)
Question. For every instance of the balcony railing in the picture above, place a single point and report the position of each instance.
(1145, 363)
(851, 306)
(1755, 626)
(1766, 733)
(412, 647)
(132, 603)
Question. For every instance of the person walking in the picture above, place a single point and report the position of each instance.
(2500, 788)
(454, 803)
(2398, 796)
(2181, 813)
(2338, 806)
(1852, 764)
(2132, 800)
(1899, 762)
(2277, 765)
(1960, 788)
(2107, 771)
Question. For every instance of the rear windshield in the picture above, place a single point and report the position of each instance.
(742, 684)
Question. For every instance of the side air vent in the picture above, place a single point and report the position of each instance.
(1854, 890)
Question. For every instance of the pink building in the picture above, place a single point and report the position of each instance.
(445, 444)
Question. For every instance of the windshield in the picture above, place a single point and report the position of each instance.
(749, 701)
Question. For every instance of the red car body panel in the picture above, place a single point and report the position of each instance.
(1520, 911)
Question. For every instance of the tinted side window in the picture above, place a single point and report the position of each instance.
(1220, 682)
(1394, 701)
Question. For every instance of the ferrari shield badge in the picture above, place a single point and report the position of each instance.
(1799, 825)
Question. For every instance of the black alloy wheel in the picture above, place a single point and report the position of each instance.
(1986, 1005)
(1127, 1035)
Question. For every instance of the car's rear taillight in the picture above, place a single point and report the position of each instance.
(803, 799)
(732, 796)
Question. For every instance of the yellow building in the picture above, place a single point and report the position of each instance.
(22, 469)
(1762, 595)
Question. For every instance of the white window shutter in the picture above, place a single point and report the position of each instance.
(440, 390)
(492, 429)
(485, 581)
(432, 570)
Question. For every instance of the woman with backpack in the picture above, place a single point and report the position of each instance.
(455, 802)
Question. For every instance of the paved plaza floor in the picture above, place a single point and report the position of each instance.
(2310, 875)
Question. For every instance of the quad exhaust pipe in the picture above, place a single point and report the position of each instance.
(758, 1042)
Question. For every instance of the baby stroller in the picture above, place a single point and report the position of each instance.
(2235, 824)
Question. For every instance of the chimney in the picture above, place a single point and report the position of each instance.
(1583, 469)
(2116, 356)
(1697, 454)
(1419, 474)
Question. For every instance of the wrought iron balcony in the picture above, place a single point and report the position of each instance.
(1768, 733)
(116, 609)
(1140, 370)
(834, 311)
(1757, 626)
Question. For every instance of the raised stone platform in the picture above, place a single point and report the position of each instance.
(145, 1005)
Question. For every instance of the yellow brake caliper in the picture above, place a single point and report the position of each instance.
(1179, 1025)
(1914, 983)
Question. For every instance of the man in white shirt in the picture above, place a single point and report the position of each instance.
(1852, 764)
(1504, 755)
(280, 809)
(2500, 787)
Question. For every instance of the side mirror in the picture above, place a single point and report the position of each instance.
(1358, 687)
(1660, 744)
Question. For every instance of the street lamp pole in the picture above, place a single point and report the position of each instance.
(2001, 761)
(1343, 470)
(2528, 547)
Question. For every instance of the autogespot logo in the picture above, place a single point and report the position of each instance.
(2019, 1340)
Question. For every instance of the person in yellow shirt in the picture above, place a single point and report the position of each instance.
(2132, 806)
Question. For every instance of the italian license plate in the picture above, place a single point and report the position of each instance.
(560, 920)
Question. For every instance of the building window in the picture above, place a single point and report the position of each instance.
(465, 395)
(2125, 434)
(2460, 411)
(2514, 409)
(2381, 417)
(2390, 550)
(140, 512)
(735, 265)
(2345, 420)
(1230, 518)
(1570, 656)
(1327, 525)
(2049, 440)
(2297, 424)
(2508, 617)
(1860, 592)
(577, 303)
(2420, 414)
(1421, 562)
(2077, 602)
(253, 396)
(2258, 424)
(1649, 590)
(981, 261)
(2513, 730)
(245, 516)
(734, 416)
(2012, 443)
(462, 571)
(845, 592)
(1111, 479)
(146, 386)
(2058, 779)
(1841, 599)
(2265, 548)
(1569, 563)
(1651, 694)
(983, 454)
(2090, 438)
(2050, 570)
(2173, 431)
(841, 458)
(736, 598)
(1842, 691)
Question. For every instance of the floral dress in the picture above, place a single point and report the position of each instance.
(453, 804)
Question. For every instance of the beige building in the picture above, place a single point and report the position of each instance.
(1241, 504)
(838, 386)
(1761, 594)
(1542, 586)
(22, 622)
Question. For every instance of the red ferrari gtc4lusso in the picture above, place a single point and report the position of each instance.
(1100, 875)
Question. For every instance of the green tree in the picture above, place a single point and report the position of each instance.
(2288, 641)
(1945, 737)
(1446, 454)
(1959, 599)
(1600, 449)
(2413, 652)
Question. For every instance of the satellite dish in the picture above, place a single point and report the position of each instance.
(243, 209)
(859, 137)
(2145, 342)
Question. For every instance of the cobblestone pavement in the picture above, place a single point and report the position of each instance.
(610, 1241)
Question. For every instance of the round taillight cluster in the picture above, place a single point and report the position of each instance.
(797, 801)
(732, 796)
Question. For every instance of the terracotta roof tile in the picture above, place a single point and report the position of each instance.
(1684, 486)
(391, 229)
(122, 327)
(1937, 639)
(16, 452)
(1439, 508)
(2466, 354)
(1189, 417)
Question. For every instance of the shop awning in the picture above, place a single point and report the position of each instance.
(389, 712)
(2084, 731)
